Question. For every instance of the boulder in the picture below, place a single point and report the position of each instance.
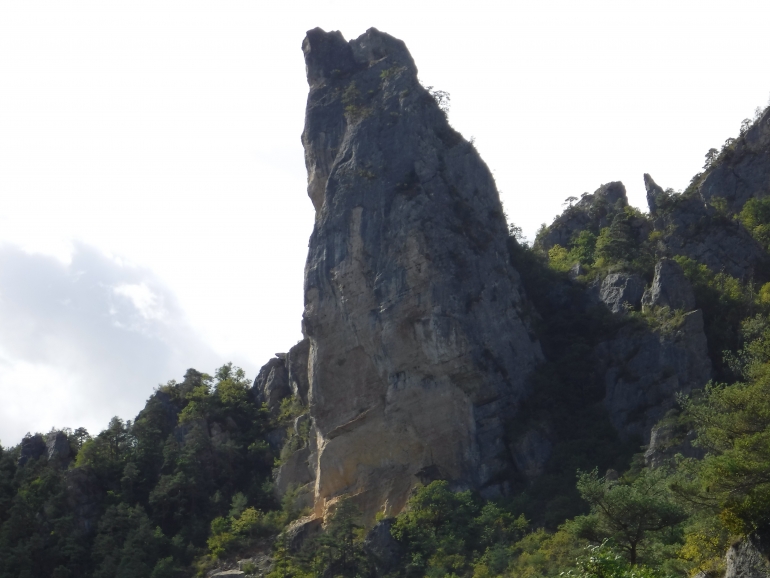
(656, 196)
(276, 438)
(666, 441)
(300, 531)
(32, 448)
(418, 345)
(576, 271)
(531, 453)
(621, 291)
(271, 385)
(294, 471)
(747, 559)
(670, 288)
(58, 448)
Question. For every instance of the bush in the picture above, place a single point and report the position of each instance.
(755, 216)
(603, 562)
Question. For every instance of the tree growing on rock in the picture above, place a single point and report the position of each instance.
(711, 157)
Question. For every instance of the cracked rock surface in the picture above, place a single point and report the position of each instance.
(417, 346)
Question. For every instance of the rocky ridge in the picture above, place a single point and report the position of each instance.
(688, 225)
(742, 170)
(591, 213)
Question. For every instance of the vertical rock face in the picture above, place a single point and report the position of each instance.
(32, 447)
(417, 349)
(643, 370)
(748, 558)
(58, 447)
(620, 291)
(670, 288)
(272, 383)
(691, 227)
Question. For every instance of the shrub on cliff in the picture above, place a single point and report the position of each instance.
(725, 302)
(755, 216)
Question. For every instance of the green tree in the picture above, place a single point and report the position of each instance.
(584, 247)
(39, 536)
(711, 156)
(627, 512)
(745, 126)
(339, 549)
(126, 544)
(616, 242)
(445, 532)
(108, 451)
(733, 425)
(755, 216)
(437, 529)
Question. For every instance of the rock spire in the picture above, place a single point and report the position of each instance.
(418, 350)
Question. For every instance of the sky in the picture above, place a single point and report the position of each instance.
(153, 206)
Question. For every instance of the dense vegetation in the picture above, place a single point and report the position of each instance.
(188, 482)
(139, 498)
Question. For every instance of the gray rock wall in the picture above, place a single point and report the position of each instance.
(413, 313)
(272, 383)
(644, 370)
(747, 559)
(621, 291)
(670, 288)
(692, 228)
(745, 171)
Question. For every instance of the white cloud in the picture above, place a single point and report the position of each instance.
(168, 134)
(147, 303)
(84, 341)
(38, 396)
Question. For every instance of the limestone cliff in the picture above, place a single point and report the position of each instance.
(417, 347)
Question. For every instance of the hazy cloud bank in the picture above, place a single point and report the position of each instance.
(84, 341)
